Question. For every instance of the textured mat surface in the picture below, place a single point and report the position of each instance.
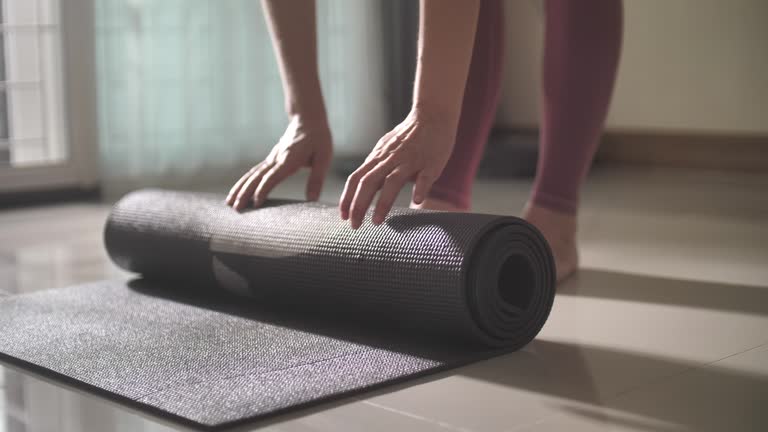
(244, 316)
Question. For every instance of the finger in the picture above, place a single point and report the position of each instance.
(424, 183)
(245, 194)
(393, 184)
(268, 182)
(236, 188)
(366, 190)
(317, 176)
(351, 187)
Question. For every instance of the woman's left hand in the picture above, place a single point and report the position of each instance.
(415, 150)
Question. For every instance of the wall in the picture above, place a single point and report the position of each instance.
(688, 66)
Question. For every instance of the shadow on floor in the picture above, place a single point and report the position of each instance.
(667, 291)
(608, 386)
(591, 378)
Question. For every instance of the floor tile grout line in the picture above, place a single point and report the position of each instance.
(534, 423)
(735, 354)
(418, 417)
(691, 368)
(623, 393)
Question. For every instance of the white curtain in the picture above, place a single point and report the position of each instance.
(189, 91)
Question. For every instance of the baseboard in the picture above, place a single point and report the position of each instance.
(687, 149)
(48, 196)
(684, 149)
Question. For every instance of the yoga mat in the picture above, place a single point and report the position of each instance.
(239, 317)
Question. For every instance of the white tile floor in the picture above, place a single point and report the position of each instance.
(665, 328)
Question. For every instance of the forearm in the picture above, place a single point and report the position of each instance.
(292, 26)
(446, 37)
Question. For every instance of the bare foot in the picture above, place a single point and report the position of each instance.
(560, 231)
(436, 204)
(558, 228)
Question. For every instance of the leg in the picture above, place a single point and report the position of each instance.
(582, 47)
(453, 189)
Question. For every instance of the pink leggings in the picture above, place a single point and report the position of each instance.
(581, 52)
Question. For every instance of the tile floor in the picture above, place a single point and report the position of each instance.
(665, 328)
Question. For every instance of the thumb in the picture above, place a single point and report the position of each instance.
(423, 184)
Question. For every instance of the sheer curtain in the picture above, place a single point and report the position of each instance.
(189, 90)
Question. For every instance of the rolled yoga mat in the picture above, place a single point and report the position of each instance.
(240, 317)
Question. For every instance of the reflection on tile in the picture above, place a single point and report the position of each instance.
(544, 379)
(728, 395)
(36, 405)
(52, 248)
(358, 416)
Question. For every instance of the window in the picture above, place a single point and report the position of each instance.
(48, 128)
(31, 130)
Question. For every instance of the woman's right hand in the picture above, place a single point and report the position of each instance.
(304, 144)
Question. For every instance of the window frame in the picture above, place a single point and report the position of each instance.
(80, 168)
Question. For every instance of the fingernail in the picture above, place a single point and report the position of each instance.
(418, 199)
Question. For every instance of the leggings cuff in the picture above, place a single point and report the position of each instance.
(461, 200)
(555, 203)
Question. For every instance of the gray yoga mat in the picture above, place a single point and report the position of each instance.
(240, 317)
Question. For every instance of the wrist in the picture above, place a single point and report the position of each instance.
(306, 103)
(316, 119)
(445, 117)
(314, 112)
(313, 126)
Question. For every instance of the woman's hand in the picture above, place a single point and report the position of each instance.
(302, 145)
(419, 147)
(415, 150)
